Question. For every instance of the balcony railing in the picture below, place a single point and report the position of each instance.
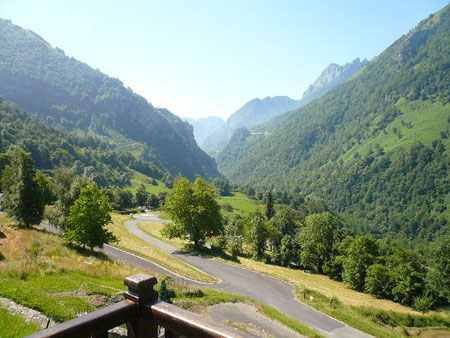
(143, 314)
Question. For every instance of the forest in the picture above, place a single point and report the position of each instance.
(375, 147)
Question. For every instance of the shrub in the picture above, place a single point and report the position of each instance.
(423, 303)
(334, 302)
(195, 293)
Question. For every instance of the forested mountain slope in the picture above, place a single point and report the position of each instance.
(375, 147)
(63, 91)
(254, 114)
(53, 147)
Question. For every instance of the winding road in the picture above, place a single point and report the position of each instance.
(263, 288)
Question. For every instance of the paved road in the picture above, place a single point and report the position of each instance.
(263, 288)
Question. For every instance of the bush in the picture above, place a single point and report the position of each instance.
(423, 303)
(334, 302)
(227, 207)
(195, 293)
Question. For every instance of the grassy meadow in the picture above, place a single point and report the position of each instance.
(138, 246)
(41, 272)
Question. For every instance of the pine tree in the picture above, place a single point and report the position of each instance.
(23, 199)
(270, 212)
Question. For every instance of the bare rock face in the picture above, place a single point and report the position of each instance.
(332, 76)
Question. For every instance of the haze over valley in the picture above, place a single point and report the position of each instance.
(280, 168)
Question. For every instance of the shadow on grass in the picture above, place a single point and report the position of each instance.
(211, 252)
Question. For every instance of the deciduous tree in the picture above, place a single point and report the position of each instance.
(88, 218)
(194, 212)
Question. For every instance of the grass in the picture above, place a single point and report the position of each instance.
(419, 121)
(41, 272)
(377, 322)
(289, 322)
(138, 246)
(316, 282)
(240, 202)
(15, 326)
(138, 178)
(354, 308)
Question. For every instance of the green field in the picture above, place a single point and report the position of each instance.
(240, 202)
(137, 179)
(15, 326)
(41, 272)
(418, 121)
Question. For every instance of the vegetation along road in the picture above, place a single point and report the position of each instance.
(268, 290)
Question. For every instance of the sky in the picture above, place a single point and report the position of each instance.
(200, 58)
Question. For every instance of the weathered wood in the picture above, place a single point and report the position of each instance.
(142, 312)
(189, 324)
(140, 291)
(94, 323)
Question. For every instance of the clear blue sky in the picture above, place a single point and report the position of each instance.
(209, 57)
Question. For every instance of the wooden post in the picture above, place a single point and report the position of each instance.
(140, 291)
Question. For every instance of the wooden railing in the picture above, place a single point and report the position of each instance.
(142, 313)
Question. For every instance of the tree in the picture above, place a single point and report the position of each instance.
(359, 253)
(378, 281)
(88, 218)
(286, 252)
(194, 212)
(123, 199)
(23, 199)
(153, 201)
(257, 234)
(45, 187)
(222, 186)
(317, 239)
(283, 223)
(270, 212)
(66, 186)
(408, 274)
(438, 276)
(234, 233)
(141, 196)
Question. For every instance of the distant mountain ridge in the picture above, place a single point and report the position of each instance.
(204, 127)
(63, 91)
(330, 77)
(375, 148)
(257, 112)
(251, 114)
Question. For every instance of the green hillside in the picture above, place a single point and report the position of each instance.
(60, 90)
(52, 147)
(375, 147)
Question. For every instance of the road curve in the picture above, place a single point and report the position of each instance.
(263, 288)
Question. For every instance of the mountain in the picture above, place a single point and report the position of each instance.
(271, 111)
(53, 147)
(376, 147)
(60, 90)
(248, 116)
(331, 77)
(205, 127)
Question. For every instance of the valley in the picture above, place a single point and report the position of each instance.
(323, 216)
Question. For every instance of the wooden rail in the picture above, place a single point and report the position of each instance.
(143, 313)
